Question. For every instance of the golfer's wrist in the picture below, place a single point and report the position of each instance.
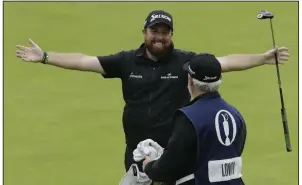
(261, 58)
(44, 58)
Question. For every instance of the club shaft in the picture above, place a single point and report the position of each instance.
(283, 110)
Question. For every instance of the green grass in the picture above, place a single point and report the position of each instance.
(64, 127)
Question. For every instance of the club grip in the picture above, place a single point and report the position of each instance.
(286, 131)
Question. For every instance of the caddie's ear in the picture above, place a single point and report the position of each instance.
(144, 31)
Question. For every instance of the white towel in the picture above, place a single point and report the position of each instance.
(147, 148)
(141, 153)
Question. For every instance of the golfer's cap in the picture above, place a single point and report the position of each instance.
(204, 67)
(159, 16)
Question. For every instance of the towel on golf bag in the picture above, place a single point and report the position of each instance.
(147, 148)
(135, 177)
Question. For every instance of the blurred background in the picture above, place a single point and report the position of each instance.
(64, 127)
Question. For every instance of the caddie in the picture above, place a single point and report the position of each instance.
(209, 134)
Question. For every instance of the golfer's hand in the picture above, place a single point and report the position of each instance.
(29, 54)
(282, 54)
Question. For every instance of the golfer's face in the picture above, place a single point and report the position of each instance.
(158, 37)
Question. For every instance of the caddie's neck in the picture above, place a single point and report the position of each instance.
(194, 92)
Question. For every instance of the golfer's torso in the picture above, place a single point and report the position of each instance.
(152, 92)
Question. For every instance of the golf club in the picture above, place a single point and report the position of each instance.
(268, 15)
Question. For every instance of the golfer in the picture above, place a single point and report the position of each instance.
(209, 134)
(154, 84)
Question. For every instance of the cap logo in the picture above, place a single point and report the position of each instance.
(190, 70)
(159, 16)
(209, 78)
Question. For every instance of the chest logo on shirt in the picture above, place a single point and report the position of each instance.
(169, 76)
(132, 75)
(225, 126)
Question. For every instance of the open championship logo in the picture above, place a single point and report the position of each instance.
(226, 117)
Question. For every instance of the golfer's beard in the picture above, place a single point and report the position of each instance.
(157, 52)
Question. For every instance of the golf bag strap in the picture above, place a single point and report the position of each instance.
(184, 179)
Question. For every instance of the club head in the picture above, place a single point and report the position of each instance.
(265, 15)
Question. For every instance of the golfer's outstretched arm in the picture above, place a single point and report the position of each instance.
(239, 62)
(179, 156)
(75, 61)
(109, 66)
